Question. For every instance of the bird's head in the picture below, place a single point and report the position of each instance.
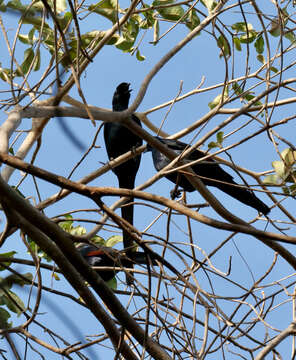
(89, 251)
(123, 88)
(121, 97)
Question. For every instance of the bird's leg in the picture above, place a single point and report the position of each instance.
(134, 148)
(176, 193)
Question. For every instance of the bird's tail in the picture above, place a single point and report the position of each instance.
(127, 213)
(245, 196)
(141, 258)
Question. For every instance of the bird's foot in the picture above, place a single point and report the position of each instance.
(134, 148)
(175, 194)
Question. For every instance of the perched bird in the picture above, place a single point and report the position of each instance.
(119, 140)
(111, 258)
(209, 172)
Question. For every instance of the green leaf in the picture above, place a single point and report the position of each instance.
(112, 283)
(276, 24)
(113, 40)
(4, 316)
(6, 263)
(209, 4)
(279, 168)
(38, 5)
(98, 240)
(5, 75)
(261, 58)
(2, 6)
(292, 190)
(65, 20)
(36, 21)
(131, 28)
(17, 5)
(242, 27)
(285, 152)
(212, 145)
(124, 44)
(218, 99)
(173, 13)
(148, 20)
(56, 276)
(250, 97)
(36, 250)
(61, 5)
(88, 38)
(25, 39)
(113, 240)
(237, 89)
(78, 230)
(128, 36)
(286, 190)
(274, 69)
(11, 151)
(28, 58)
(259, 44)
(139, 56)
(31, 37)
(289, 156)
(67, 225)
(36, 65)
(14, 303)
(220, 137)
(272, 180)
(20, 281)
(106, 8)
(290, 36)
(275, 30)
(290, 176)
(8, 297)
(224, 45)
(192, 20)
(248, 37)
(237, 43)
(215, 102)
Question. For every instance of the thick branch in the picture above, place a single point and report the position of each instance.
(64, 242)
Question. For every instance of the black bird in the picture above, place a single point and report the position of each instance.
(209, 172)
(111, 258)
(119, 140)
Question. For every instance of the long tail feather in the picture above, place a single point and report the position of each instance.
(127, 213)
(245, 196)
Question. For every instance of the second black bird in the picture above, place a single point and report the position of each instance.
(101, 258)
(209, 172)
(119, 140)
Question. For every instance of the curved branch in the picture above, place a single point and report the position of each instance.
(267, 237)
(291, 330)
